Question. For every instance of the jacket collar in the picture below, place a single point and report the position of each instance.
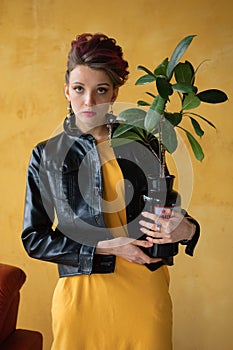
(71, 128)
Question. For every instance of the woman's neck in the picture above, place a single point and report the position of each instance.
(100, 132)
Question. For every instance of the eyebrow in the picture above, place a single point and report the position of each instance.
(99, 84)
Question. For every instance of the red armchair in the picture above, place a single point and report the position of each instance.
(11, 280)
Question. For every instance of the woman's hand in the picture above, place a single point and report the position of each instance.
(160, 230)
(126, 248)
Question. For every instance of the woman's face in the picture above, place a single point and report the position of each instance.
(90, 92)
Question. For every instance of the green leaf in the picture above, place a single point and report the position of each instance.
(142, 103)
(184, 73)
(135, 134)
(150, 94)
(145, 79)
(173, 118)
(190, 101)
(196, 147)
(152, 120)
(164, 88)
(197, 127)
(121, 130)
(198, 115)
(145, 70)
(184, 88)
(158, 104)
(178, 53)
(169, 139)
(212, 96)
(124, 138)
(162, 68)
(142, 133)
(132, 116)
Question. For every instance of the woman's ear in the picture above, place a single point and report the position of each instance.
(115, 94)
(66, 91)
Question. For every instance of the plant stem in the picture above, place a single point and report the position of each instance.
(152, 151)
(163, 165)
(162, 148)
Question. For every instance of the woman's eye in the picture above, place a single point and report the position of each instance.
(78, 89)
(101, 90)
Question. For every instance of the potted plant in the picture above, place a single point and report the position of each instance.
(153, 119)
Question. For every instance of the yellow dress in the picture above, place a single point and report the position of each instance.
(129, 309)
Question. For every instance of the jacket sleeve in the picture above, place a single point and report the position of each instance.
(40, 239)
(191, 244)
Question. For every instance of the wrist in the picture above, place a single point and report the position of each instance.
(103, 248)
(190, 233)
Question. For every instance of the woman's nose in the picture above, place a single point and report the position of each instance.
(89, 99)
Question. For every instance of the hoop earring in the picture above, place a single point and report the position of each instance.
(111, 108)
(110, 121)
(69, 111)
(70, 123)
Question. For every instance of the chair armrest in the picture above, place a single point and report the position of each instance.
(11, 280)
(22, 339)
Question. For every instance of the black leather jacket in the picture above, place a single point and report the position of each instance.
(64, 185)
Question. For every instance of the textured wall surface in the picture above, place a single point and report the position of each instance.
(35, 37)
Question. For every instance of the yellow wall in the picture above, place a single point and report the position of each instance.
(35, 36)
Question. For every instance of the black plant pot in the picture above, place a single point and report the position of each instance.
(162, 199)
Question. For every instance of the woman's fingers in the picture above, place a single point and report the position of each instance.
(148, 215)
(166, 230)
(151, 226)
(136, 255)
(142, 258)
(127, 248)
(142, 243)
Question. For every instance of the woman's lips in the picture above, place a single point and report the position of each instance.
(89, 114)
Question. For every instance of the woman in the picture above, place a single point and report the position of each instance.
(106, 297)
